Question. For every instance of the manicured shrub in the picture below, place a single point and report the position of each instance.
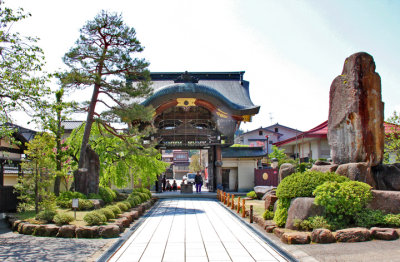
(369, 218)
(268, 214)
(107, 212)
(85, 204)
(281, 212)
(107, 194)
(343, 200)
(122, 206)
(128, 204)
(138, 200)
(64, 203)
(303, 184)
(131, 201)
(94, 218)
(63, 219)
(115, 209)
(143, 197)
(46, 215)
(94, 196)
(252, 194)
(392, 220)
(312, 223)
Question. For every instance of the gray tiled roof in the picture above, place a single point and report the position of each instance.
(71, 124)
(243, 152)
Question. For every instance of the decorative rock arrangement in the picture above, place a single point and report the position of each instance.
(285, 170)
(302, 208)
(72, 231)
(357, 234)
(322, 236)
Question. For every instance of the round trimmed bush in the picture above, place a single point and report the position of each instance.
(303, 184)
(68, 195)
(368, 218)
(268, 214)
(138, 200)
(122, 206)
(63, 219)
(343, 199)
(115, 209)
(252, 194)
(94, 196)
(107, 212)
(128, 204)
(46, 215)
(94, 218)
(107, 194)
(85, 204)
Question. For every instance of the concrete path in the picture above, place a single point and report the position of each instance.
(194, 230)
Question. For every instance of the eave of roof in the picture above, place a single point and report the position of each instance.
(243, 152)
(319, 131)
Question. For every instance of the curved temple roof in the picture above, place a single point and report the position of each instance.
(226, 88)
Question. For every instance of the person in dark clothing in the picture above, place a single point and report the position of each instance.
(168, 187)
(174, 186)
(164, 182)
(198, 180)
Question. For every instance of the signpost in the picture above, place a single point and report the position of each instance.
(75, 205)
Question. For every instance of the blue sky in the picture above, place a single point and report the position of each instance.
(291, 50)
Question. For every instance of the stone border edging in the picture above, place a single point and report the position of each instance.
(118, 244)
(277, 248)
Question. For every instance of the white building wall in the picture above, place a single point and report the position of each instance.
(245, 172)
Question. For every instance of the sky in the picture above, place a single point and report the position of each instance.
(290, 50)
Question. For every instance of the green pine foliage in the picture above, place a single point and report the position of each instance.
(252, 194)
(115, 209)
(107, 194)
(107, 212)
(281, 211)
(95, 218)
(122, 206)
(268, 214)
(46, 215)
(63, 219)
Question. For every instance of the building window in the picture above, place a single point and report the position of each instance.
(260, 133)
(276, 130)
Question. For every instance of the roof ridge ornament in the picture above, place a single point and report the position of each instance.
(186, 78)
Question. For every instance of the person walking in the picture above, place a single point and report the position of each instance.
(164, 182)
(198, 180)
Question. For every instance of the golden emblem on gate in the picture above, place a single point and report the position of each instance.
(265, 176)
(186, 101)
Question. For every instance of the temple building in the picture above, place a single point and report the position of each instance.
(200, 111)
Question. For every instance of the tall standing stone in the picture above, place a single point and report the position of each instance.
(355, 125)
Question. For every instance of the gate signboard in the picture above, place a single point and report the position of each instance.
(266, 177)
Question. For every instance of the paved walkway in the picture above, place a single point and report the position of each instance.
(194, 230)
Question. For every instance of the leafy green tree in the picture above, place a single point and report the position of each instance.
(22, 82)
(392, 139)
(120, 160)
(38, 172)
(103, 57)
(195, 164)
(277, 153)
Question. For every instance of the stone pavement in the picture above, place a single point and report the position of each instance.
(194, 230)
(17, 247)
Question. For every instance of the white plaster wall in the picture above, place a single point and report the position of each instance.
(315, 149)
(325, 148)
(233, 176)
(245, 172)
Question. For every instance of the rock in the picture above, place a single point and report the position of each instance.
(128, 216)
(280, 231)
(46, 230)
(271, 191)
(322, 163)
(28, 229)
(97, 203)
(20, 225)
(357, 234)
(109, 231)
(384, 233)
(357, 172)
(261, 190)
(134, 215)
(87, 232)
(285, 170)
(270, 228)
(270, 201)
(387, 177)
(322, 236)
(67, 231)
(387, 201)
(355, 125)
(302, 208)
(124, 221)
(324, 168)
(296, 238)
(15, 224)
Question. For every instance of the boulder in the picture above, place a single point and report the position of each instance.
(271, 191)
(357, 172)
(296, 238)
(109, 231)
(20, 226)
(270, 201)
(355, 124)
(15, 224)
(280, 231)
(46, 230)
(285, 170)
(28, 229)
(322, 163)
(322, 236)
(302, 208)
(261, 190)
(357, 234)
(128, 216)
(124, 221)
(324, 168)
(387, 177)
(384, 233)
(269, 226)
(97, 203)
(387, 201)
(67, 231)
(87, 232)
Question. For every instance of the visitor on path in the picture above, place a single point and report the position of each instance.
(174, 186)
(168, 187)
(198, 180)
(164, 182)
